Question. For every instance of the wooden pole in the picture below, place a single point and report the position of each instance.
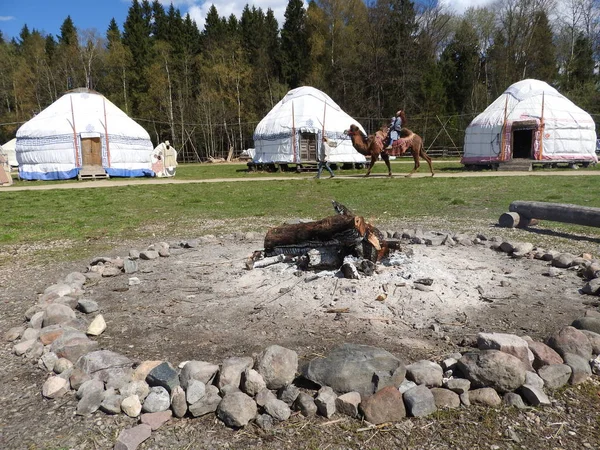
(294, 135)
(106, 133)
(557, 212)
(74, 135)
(502, 138)
(542, 126)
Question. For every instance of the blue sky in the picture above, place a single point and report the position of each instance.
(48, 15)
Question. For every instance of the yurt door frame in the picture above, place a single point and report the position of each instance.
(523, 139)
(308, 146)
(91, 149)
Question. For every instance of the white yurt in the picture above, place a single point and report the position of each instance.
(531, 120)
(292, 132)
(9, 150)
(82, 132)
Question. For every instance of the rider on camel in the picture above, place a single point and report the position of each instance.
(396, 124)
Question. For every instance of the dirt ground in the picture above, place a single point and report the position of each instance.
(202, 303)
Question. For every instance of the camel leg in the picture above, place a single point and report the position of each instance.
(372, 163)
(415, 156)
(386, 159)
(427, 158)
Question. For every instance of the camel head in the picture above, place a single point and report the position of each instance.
(355, 131)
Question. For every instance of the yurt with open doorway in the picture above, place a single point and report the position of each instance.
(82, 134)
(292, 132)
(531, 121)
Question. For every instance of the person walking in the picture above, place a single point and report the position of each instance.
(323, 160)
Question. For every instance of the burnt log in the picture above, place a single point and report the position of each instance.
(557, 212)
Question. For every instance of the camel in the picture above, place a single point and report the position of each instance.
(373, 146)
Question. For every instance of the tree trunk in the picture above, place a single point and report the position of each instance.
(557, 212)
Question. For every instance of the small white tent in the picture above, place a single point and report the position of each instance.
(292, 132)
(531, 120)
(82, 129)
(9, 149)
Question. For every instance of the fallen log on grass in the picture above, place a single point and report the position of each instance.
(557, 212)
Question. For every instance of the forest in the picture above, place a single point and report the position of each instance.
(206, 89)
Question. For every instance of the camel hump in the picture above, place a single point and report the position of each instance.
(406, 133)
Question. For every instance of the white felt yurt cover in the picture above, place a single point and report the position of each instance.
(562, 130)
(49, 145)
(9, 150)
(304, 110)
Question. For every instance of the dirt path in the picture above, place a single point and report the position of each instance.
(131, 182)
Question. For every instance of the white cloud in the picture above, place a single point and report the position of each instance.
(460, 6)
(225, 8)
(6, 18)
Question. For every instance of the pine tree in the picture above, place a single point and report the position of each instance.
(541, 55)
(294, 44)
(68, 33)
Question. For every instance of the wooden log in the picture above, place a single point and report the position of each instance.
(509, 220)
(345, 229)
(557, 212)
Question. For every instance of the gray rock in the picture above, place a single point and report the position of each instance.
(197, 370)
(581, 370)
(252, 382)
(15, 333)
(56, 314)
(534, 395)
(325, 401)
(563, 260)
(77, 378)
(493, 368)
(521, 249)
(587, 323)
(594, 339)
(592, 287)
(425, 372)
(419, 401)
(533, 379)
(513, 399)
(236, 410)
(136, 387)
(278, 366)
(595, 365)
(59, 290)
(450, 363)
(114, 369)
(406, 385)
(458, 385)
(163, 375)
(278, 409)
(570, 340)
(178, 402)
(208, 403)
(22, 347)
(264, 396)
(47, 361)
(134, 254)
(72, 345)
(111, 403)
(507, 343)
(485, 396)
(149, 255)
(232, 369)
(158, 399)
(195, 391)
(90, 403)
(228, 389)
(555, 375)
(386, 405)
(71, 302)
(87, 306)
(37, 320)
(131, 438)
(464, 398)
(356, 368)
(305, 404)
(265, 421)
(348, 404)
(111, 271)
(131, 406)
(130, 265)
(445, 398)
(288, 394)
(89, 387)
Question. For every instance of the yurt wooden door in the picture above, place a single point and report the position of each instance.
(91, 151)
(308, 147)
